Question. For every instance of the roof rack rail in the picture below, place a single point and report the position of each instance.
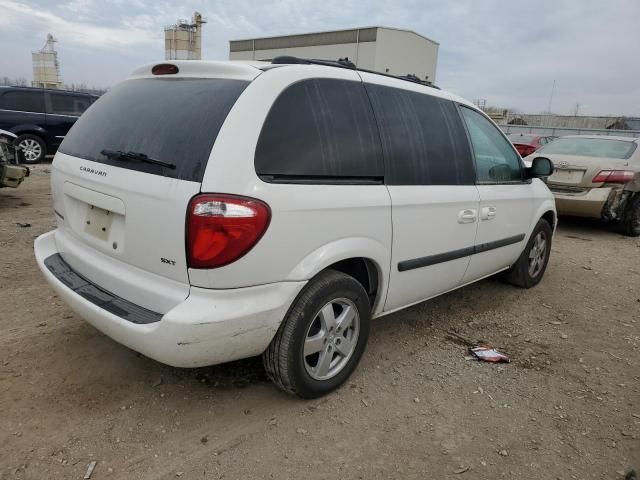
(348, 64)
(340, 63)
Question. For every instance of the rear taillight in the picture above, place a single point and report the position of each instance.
(613, 176)
(525, 150)
(222, 228)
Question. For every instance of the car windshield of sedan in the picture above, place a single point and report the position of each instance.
(590, 147)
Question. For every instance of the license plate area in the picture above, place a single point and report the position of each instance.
(98, 222)
(568, 176)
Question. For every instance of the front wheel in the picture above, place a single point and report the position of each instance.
(322, 337)
(532, 263)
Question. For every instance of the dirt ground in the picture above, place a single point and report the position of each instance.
(568, 406)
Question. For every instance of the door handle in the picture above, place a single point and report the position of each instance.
(467, 216)
(488, 213)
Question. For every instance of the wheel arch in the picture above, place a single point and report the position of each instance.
(365, 271)
(31, 128)
(550, 216)
(362, 258)
(546, 209)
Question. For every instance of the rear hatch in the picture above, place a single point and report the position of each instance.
(118, 209)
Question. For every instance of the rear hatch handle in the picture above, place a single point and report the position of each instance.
(141, 157)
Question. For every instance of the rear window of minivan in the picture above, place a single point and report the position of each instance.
(171, 120)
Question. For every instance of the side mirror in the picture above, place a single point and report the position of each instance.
(540, 167)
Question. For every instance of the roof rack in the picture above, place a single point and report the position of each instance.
(348, 64)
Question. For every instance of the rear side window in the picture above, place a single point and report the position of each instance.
(423, 139)
(65, 104)
(172, 120)
(24, 101)
(320, 130)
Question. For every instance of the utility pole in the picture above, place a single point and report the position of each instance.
(553, 87)
(576, 109)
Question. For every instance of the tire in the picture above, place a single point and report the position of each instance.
(523, 273)
(630, 223)
(31, 148)
(327, 302)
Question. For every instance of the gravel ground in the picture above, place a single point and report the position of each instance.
(568, 406)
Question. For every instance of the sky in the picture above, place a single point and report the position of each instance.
(508, 52)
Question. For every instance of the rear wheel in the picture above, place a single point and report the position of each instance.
(630, 223)
(31, 148)
(532, 263)
(322, 338)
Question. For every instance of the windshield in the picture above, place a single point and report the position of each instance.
(590, 147)
(175, 121)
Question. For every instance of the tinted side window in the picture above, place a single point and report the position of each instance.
(496, 160)
(25, 101)
(66, 104)
(423, 138)
(320, 128)
(62, 104)
(80, 104)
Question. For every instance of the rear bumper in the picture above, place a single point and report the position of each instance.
(583, 204)
(207, 328)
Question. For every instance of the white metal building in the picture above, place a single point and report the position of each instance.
(383, 49)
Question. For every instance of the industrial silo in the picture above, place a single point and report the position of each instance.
(183, 40)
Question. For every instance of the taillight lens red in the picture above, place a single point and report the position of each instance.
(525, 150)
(223, 228)
(613, 176)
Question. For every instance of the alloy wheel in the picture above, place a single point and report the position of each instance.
(331, 339)
(31, 149)
(537, 254)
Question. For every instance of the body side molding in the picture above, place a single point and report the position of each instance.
(455, 254)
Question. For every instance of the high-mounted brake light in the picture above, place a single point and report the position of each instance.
(613, 176)
(223, 228)
(165, 69)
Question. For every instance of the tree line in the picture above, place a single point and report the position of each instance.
(76, 87)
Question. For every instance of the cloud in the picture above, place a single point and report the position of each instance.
(75, 32)
(508, 53)
(512, 58)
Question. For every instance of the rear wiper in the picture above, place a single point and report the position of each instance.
(141, 157)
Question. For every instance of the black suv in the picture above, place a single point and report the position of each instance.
(40, 117)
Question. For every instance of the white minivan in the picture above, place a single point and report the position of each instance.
(212, 211)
